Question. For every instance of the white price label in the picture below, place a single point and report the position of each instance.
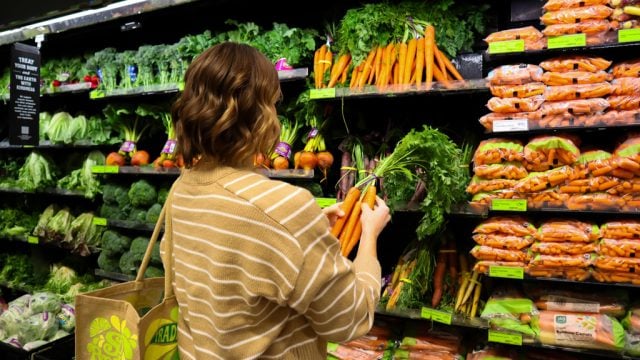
(510, 125)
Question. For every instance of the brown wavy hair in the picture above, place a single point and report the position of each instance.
(226, 113)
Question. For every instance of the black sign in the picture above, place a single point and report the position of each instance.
(25, 95)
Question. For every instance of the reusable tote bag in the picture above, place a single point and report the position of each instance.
(135, 320)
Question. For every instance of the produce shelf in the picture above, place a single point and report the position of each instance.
(48, 191)
(470, 86)
(455, 320)
(483, 210)
(128, 225)
(77, 88)
(524, 126)
(600, 354)
(44, 145)
(288, 173)
(150, 170)
(113, 276)
(586, 282)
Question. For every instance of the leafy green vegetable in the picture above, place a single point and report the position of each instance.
(57, 228)
(110, 263)
(61, 278)
(142, 194)
(37, 173)
(153, 213)
(104, 64)
(137, 215)
(84, 179)
(114, 243)
(129, 263)
(126, 61)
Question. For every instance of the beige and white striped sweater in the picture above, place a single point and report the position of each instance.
(257, 272)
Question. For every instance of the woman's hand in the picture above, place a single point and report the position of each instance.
(333, 212)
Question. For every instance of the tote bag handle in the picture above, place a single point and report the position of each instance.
(168, 274)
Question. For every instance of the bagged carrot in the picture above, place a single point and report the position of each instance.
(547, 199)
(626, 186)
(508, 225)
(623, 264)
(518, 91)
(560, 248)
(625, 86)
(552, 5)
(506, 242)
(597, 162)
(563, 260)
(580, 91)
(515, 74)
(482, 252)
(544, 152)
(624, 102)
(553, 78)
(582, 106)
(581, 330)
(619, 248)
(621, 229)
(593, 184)
(478, 185)
(540, 181)
(575, 63)
(498, 150)
(630, 68)
(521, 33)
(575, 15)
(589, 27)
(514, 105)
(483, 266)
(616, 276)
(567, 230)
(512, 171)
(570, 273)
(488, 120)
(595, 201)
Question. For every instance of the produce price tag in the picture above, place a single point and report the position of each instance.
(504, 338)
(96, 94)
(99, 221)
(628, 35)
(180, 86)
(327, 93)
(509, 204)
(565, 41)
(111, 169)
(436, 315)
(32, 240)
(501, 47)
(506, 272)
(510, 125)
(97, 169)
(331, 346)
(325, 202)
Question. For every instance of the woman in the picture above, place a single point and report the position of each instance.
(257, 272)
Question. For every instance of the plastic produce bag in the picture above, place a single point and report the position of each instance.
(547, 199)
(624, 102)
(488, 119)
(508, 225)
(483, 266)
(625, 86)
(581, 106)
(580, 261)
(545, 152)
(559, 248)
(632, 344)
(67, 317)
(518, 91)
(575, 63)
(38, 327)
(593, 184)
(482, 252)
(509, 170)
(514, 105)
(569, 273)
(621, 248)
(552, 5)
(506, 242)
(595, 201)
(630, 68)
(626, 186)
(515, 74)
(596, 162)
(631, 321)
(553, 78)
(612, 302)
(478, 185)
(527, 33)
(574, 92)
(580, 330)
(616, 276)
(622, 264)
(44, 301)
(498, 150)
(540, 181)
(589, 27)
(575, 15)
(485, 198)
(512, 312)
(621, 229)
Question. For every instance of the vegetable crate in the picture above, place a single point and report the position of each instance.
(60, 349)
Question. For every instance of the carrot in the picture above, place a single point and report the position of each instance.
(316, 56)
(402, 59)
(419, 61)
(318, 75)
(429, 36)
(396, 73)
(328, 60)
(453, 263)
(345, 73)
(369, 199)
(377, 64)
(452, 69)
(339, 67)
(367, 67)
(350, 226)
(441, 77)
(387, 63)
(347, 206)
(441, 66)
(438, 278)
(410, 60)
(355, 73)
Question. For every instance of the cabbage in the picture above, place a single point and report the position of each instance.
(45, 119)
(10, 323)
(78, 129)
(3, 333)
(38, 327)
(59, 127)
(44, 301)
(67, 317)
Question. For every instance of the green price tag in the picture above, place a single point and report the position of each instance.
(331, 346)
(509, 46)
(565, 41)
(28, 146)
(33, 240)
(111, 169)
(99, 221)
(96, 94)
(97, 169)
(506, 272)
(436, 315)
(504, 338)
(509, 204)
(328, 93)
(181, 86)
(325, 202)
(628, 35)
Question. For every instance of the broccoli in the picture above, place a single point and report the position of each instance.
(122, 196)
(155, 254)
(139, 246)
(113, 212)
(109, 194)
(129, 263)
(153, 271)
(162, 195)
(137, 215)
(142, 194)
(153, 213)
(108, 262)
(114, 243)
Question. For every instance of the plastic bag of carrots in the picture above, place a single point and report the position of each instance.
(563, 260)
(624, 102)
(567, 120)
(506, 242)
(554, 78)
(518, 91)
(514, 171)
(630, 68)
(575, 15)
(575, 63)
(498, 150)
(482, 252)
(485, 198)
(596, 162)
(553, 5)
(621, 229)
(507, 225)
(515, 74)
(521, 33)
(514, 105)
(547, 199)
(625, 86)
(612, 263)
(540, 181)
(559, 328)
(566, 248)
(612, 303)
(623, 117)
(616, 276)
(567, 230)
(593, 184)
(626, 186)
(544, 152)
(483, 266)
(570, 273)
(595, 201)
(349, 228)
(588, 27)
(478, 185)
(580, 91)
(619, 248)
(629, 150)
(582, 106)
(488, 119)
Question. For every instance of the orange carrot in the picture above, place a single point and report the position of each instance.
(345, 73)
(410, 60)
(429, 36)
(377, 65)
(328, 60)
(347, 206)
(366, 68)
(354, 76)
(339, 67)
(316, 70)
(452, 69)
(441, 78)
(350, 226)
(369, 199)
(441, 65)
(396, 73)
(318, 75)
(419, 62)
(402, 59)
(386, 65)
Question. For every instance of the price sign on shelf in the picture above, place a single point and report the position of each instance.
(505, 338)
(567, 41)
(99, 221)
(436, 315)
(509, 46)
(510, 125)
(628, 35)
(325, 202)
(33, 239)
(506, 272)
(328, 93)
(509, 204)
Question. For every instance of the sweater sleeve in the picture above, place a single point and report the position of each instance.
(337, 296)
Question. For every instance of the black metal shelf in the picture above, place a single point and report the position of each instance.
(47, 145)
(464, 87)
(48, 191)
(113, 276)
(478, 210)
(129, 225)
